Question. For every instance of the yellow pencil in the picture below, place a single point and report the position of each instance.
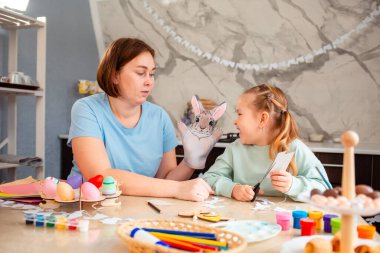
(189, 239)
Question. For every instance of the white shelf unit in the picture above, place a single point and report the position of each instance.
(13, 22)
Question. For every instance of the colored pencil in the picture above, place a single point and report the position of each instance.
(189, 239)
(154, 207)
(182, 245)
(324, 179)
(202, 247)
(209, 236)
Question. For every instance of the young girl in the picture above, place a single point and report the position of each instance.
(266, 128)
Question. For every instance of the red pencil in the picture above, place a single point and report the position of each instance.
(181, 245)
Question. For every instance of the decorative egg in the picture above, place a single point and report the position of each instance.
(373, 195)
(338, 190)
(56, 181)
(109, 186)
(315, 191)
(97, 180)
(330, 193)
(319, 199)
(65, 191)
(89, 191)
(75, 181)
(363, 189)
(49, 189)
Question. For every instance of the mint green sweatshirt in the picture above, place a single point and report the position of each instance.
(247, 164)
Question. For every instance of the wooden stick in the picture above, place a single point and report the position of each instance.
(349, 140)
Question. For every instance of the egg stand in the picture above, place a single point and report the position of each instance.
(349, 139)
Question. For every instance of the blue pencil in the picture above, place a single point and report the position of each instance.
(324, 179)
(209, 236)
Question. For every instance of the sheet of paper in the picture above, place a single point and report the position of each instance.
(282, 161)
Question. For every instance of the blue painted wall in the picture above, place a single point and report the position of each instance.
(71, 55)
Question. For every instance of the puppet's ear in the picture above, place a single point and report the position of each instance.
(197, 105)
(219, 111)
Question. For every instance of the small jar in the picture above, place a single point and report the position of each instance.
(335, 225)
(317, 216)
(29, 218)
(61, 223)
(50, 221)
(297, 216)
(283, 219)
(72, 224)
(83, 225)
(326, 222)
(40, 220)
(308, 226)
(366, 231)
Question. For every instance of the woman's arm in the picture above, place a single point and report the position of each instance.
(170, 170)
(92, 159)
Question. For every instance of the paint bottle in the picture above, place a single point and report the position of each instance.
(40, 220)
(327, 222)
(83, 225)
(297, 216)
(142, 235)
(50, 221)
(61, 223)
(29, 218)
(366, 231)
(283, 219)
(308, 226)
(72, 224)
(335, 225)
(317, 216)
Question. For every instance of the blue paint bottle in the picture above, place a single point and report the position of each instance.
(297, 216)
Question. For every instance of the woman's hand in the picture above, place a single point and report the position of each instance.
(194, 190)
(281, 180)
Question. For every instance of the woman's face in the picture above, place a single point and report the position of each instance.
(247, 122)
(136, 79)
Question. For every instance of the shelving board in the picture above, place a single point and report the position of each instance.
(14, 20)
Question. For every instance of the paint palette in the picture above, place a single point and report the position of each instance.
(251, 230)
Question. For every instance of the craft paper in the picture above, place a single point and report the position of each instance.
(282, 161)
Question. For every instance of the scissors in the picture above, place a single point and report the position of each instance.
(256, 188)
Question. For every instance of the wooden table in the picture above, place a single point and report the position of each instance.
(18, 237)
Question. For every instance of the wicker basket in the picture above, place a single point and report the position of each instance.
(235, 242)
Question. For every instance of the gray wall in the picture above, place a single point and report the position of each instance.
(71, 55)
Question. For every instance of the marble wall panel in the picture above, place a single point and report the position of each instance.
(337, 90)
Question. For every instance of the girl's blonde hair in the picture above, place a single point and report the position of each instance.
(273, 100)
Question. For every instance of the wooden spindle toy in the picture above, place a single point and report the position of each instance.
(349, 139)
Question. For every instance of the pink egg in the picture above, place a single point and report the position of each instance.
(49, 189)
(90, 191)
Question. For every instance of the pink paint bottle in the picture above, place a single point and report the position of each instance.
(283, 219)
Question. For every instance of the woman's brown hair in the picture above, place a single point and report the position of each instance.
(273, 100)
(119, 53)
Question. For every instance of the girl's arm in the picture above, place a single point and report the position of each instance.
(92, 159)
(219, 176)
(308, 177)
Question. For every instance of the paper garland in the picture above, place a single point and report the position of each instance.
(283, 65)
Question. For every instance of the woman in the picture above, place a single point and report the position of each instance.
(120, 134)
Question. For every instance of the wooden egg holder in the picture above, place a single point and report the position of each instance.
(349, 140)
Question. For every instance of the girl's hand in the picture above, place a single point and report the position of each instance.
(242, 192)
(281, 180)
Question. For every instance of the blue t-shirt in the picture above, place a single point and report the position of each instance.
(139, 149)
